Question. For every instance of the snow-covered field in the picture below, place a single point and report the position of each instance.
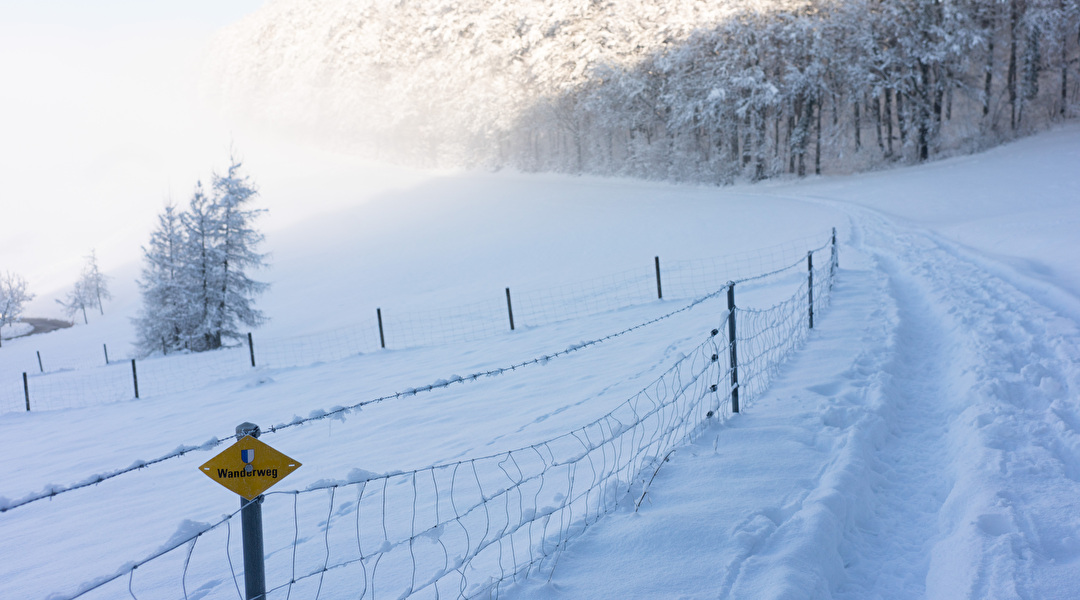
(923, 442)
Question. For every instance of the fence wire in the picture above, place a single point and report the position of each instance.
(471, 528)
(79, 379)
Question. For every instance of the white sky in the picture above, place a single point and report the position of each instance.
(99, 118)
(81, 13)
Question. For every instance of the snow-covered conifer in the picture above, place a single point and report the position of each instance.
(161, 320)
(196, 287)
(236, 253)
(200, 272)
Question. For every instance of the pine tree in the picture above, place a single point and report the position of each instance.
(236, 254)
(161, 321)
(199, 273)
(195, 285)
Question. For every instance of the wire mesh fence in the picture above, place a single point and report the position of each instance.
(77, 380)
(470, 528)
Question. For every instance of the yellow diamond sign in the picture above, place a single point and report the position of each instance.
(249, 467)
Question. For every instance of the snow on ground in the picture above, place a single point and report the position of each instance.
(925, 441)
(13, 330)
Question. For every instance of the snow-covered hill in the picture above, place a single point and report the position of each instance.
(682, 91)
(924, 442)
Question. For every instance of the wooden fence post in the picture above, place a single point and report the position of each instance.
(251, 349)
(26, 391)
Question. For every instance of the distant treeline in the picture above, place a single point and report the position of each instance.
(692, 91)
(828, 85)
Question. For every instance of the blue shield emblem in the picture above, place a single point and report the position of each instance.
(248, 456)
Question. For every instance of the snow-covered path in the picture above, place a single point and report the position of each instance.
(902, 479)
(1009, 525)
(924, 443)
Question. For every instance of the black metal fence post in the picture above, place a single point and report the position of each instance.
(659, 290)
(106, 347)
(251, 524)
(26, 391)
(810, 275)
(510, 309)
(835, 256)
(731, 346)
(251, 349)
(382, 338)
(135, 377)
(40, 368)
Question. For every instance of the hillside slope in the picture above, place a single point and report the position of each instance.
(924, 441)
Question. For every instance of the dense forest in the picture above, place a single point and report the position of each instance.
(685, 91)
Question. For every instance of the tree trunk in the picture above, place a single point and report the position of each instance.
(1011, 77)
(1064, 77)
(858, 124)
(902, 120)
(733, 142)
(759, 146)
(923, 113)
(776, 135)
(939, 101)
(987, 80)
(876, 109)
(948, 96)
(1064, 65)
(791, 141)
(888, 122)
(817, 143)
(747, 132)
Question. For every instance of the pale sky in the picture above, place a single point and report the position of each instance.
(98, 13)
(101, 123)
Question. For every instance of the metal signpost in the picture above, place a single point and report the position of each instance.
(249, 467)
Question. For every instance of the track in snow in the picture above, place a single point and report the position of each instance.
(924, 444)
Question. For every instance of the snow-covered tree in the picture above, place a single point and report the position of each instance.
(199, 272)
(707, 91)
(196, 284)
(95, 282)
(77, 300)
(236, 255)
(13, 297)
(162, 318)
